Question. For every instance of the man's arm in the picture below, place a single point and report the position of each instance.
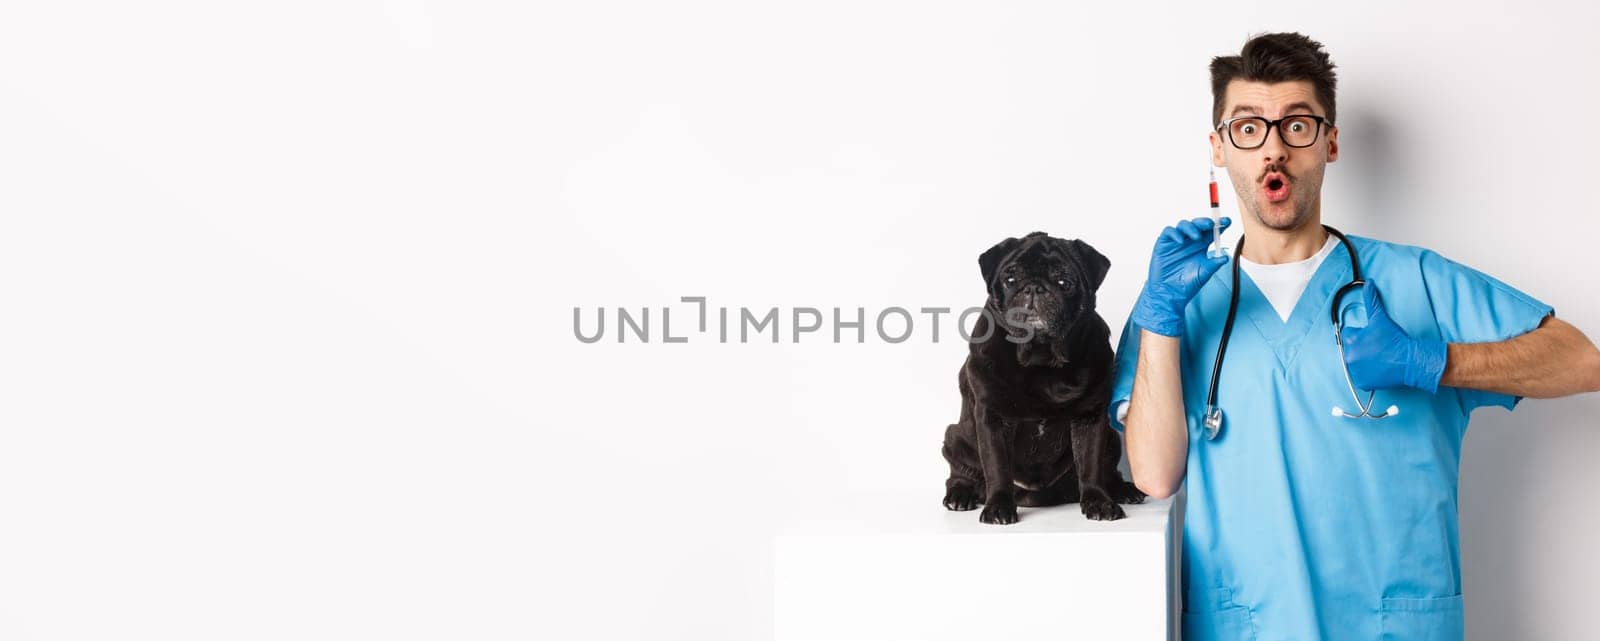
(1156, 433)
(1553, 360)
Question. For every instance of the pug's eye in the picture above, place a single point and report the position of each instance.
(1011, 279)
(1062, 282)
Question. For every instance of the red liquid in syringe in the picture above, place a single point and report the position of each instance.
(1216, 217)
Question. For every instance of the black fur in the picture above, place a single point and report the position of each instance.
(1033, 429)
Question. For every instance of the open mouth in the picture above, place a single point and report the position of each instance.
(1275, 187)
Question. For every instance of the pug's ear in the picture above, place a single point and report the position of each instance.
(990, 260)
(1094, 264)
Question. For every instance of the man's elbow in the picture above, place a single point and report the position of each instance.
(1589, 363)
(1593, 384)
(1156, 488)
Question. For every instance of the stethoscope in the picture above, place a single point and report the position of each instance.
(1213, 416)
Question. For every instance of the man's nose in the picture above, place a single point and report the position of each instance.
(1273, 148)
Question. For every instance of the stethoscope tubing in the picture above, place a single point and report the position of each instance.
(1213, 414)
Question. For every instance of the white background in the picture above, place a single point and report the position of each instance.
(286, 289)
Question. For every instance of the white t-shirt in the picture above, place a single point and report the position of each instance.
(1282, 284)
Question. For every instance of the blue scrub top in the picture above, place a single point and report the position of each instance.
(1302, 525)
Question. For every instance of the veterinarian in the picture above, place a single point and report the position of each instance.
(1301, 522)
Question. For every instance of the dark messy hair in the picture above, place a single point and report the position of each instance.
(1274, 57)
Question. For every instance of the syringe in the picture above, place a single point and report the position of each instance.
(1216, 219)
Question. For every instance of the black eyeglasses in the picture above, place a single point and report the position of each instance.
(1298, 131)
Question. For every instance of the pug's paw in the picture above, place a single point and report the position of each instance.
(960, 498)
(1099, 507)
(1000, 511)
(1125, 493)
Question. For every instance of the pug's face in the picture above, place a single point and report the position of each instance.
(1045, 284)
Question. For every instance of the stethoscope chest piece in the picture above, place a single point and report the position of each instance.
(1213, 422)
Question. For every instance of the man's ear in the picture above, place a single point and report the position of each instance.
(990, 260)
(1094, 264)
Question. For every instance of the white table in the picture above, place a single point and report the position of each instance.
(900, 566)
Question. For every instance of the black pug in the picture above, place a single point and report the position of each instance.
(1033, 428)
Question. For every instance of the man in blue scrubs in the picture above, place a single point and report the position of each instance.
(1301, 521)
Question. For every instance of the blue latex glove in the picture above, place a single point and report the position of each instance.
(1178, 268)
(1381, 356)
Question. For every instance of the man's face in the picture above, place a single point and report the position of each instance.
(1280, 185)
